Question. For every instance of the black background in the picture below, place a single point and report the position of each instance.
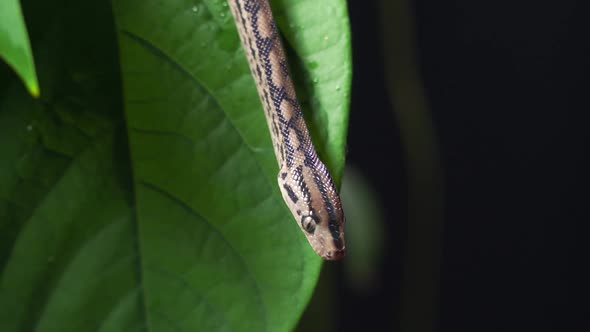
(506, 85)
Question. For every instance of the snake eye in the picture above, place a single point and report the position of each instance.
(308, 224)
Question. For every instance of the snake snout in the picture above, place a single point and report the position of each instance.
(334, 255)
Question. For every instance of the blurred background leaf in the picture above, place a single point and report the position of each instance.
(420, 283)
(151, 203)
(14, 44)
(364, 217)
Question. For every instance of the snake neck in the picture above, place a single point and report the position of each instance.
(269, 68)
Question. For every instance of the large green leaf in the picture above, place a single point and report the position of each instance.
(14, 44)
(68, 241)
(157, 210)
(193, 113)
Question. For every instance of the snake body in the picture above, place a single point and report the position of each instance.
(304, 181)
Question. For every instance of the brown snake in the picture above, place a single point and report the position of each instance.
(304, 181)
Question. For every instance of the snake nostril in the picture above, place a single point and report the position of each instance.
(334, 254)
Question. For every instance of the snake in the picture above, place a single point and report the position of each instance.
(303, 179)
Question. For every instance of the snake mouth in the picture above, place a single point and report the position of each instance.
(334, 255)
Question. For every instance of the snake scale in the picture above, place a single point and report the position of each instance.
(303, 179)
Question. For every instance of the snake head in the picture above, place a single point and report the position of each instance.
(310, 194)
